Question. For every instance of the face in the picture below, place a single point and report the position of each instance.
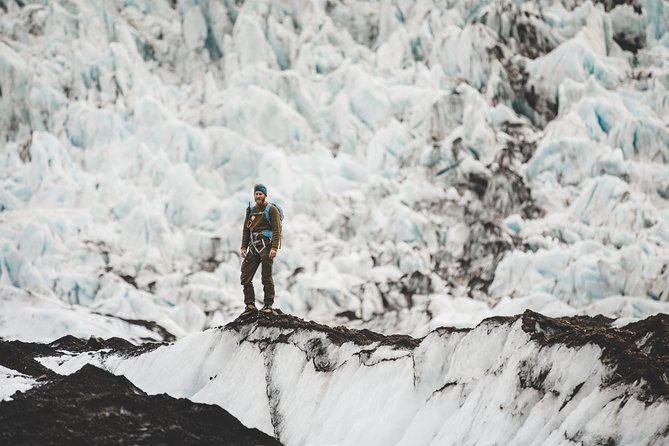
(259, 197)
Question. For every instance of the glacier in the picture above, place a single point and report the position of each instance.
(502, 382)
(445, 167)
(424, 151)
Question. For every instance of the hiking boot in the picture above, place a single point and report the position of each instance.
(267, 309)
(250, 310)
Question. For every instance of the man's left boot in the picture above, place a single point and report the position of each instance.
(267, 309)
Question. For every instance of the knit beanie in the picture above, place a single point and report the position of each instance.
(261, 188)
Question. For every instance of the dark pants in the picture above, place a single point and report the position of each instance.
(249, 268)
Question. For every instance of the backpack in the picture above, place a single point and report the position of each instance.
(267, 233)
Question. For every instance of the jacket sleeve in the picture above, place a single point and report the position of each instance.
(275, 216)
(245, 235)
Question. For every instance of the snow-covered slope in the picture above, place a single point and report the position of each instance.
(425, 152)
(34, 318)
(12, 381)
(524, 380)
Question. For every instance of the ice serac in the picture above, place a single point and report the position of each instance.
(522, 380)
(423, 150)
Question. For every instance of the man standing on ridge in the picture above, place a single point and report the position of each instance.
(261, 238)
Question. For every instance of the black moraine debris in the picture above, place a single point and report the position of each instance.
(638, 352)
(93, 406)
(338, 335)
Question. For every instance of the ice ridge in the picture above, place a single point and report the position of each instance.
(520, 380)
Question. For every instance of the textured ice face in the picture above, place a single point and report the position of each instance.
(512, 150)
(526, 379)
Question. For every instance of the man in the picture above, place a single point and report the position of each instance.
(260, 242)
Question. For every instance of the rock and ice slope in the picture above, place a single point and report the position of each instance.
(92, 406)
(524, 380)
(489, 149)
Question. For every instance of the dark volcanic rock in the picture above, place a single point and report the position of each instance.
(638, 352)
(114, 345)
(72, 344)
(20, 356)
(93, 406)
(338, 335)
(610, 4)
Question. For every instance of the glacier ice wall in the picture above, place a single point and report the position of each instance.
(523, 380)
(425, 152)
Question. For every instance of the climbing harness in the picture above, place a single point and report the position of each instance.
(257, 242)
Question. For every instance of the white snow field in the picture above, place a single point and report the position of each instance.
(12, 381)
(438, 162)
(313, 385)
